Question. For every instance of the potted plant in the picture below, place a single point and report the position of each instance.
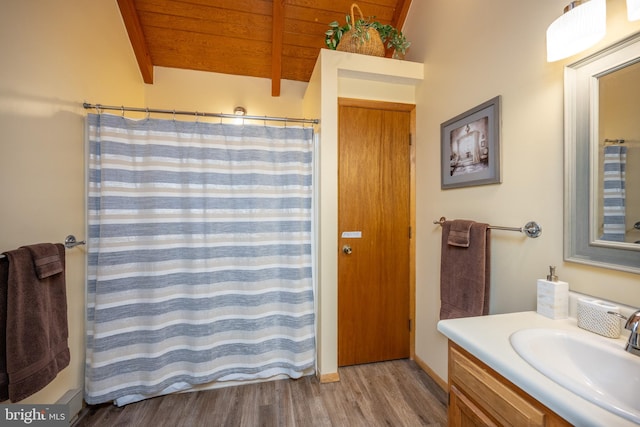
(361, 36)
(393, 39)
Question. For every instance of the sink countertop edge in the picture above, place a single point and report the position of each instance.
(487, 338)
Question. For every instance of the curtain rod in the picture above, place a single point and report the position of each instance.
(99, 107)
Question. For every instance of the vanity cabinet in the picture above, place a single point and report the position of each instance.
(479, 396)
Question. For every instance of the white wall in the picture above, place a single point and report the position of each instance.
(56, 55)
(221, 93)
(472, 52)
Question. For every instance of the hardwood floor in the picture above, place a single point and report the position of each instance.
(395, 393)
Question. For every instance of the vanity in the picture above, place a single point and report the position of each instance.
(490, 383)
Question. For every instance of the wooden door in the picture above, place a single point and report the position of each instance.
(374, 225)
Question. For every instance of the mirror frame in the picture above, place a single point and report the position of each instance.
(580, 138)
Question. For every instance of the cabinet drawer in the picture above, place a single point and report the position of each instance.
(497, 399)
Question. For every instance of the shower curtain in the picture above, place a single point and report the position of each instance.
(199, 255)
(614, 193)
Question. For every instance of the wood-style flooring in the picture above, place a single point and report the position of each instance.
(395, 393)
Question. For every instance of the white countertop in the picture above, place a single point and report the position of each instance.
(487, 338)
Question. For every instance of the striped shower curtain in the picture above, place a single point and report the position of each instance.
(614, 193)
(199, 247)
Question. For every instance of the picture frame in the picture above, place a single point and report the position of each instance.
(470, 147)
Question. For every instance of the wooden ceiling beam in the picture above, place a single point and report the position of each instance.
(400, 13)
(276, 46)
(399, 16)
(136, 36)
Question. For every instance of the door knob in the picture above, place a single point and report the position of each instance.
(347, 249)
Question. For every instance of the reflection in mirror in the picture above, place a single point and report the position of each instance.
(602, 158)
(618, 190)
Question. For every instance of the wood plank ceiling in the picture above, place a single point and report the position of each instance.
(276, 39)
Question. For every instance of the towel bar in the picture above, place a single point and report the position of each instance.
(530, 229)
(69, 242)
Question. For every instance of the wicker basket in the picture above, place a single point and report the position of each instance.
(371, 45)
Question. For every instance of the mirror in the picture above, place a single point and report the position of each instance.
(617, 186)
(602, 158)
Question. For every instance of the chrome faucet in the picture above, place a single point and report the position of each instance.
(633, 322)
(633, 346)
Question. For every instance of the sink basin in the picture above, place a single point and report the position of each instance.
(596, 368)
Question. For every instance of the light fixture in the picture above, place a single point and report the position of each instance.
(239, 112)
(633, 10)
(582, 25)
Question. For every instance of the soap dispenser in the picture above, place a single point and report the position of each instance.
(553, 296)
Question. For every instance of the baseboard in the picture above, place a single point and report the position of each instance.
(72, 398)
(329, 378)
(435, 377)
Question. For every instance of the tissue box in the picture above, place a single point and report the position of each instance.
(593, 316)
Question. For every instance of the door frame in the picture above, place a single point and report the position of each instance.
(411, 109)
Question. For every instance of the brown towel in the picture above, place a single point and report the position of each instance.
(36, 323)
(4, 378)
(46, 259)
(464, 273)
(459, 233)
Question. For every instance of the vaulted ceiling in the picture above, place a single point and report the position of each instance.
(276, 39)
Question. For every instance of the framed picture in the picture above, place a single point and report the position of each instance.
(470, 147)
